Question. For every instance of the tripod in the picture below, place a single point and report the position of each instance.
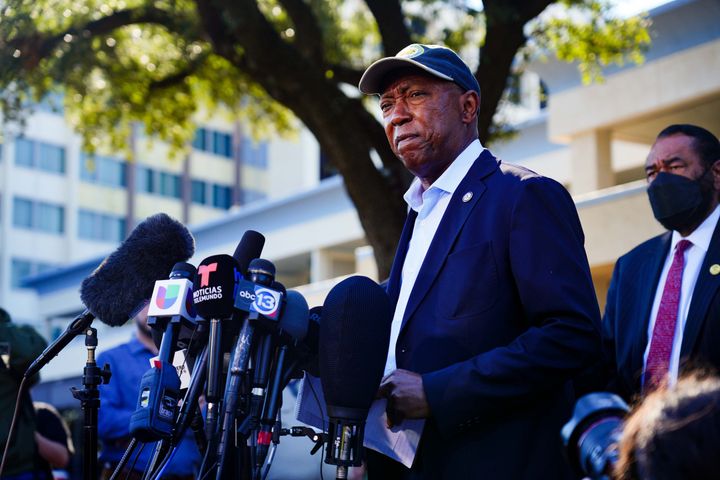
(89, 398)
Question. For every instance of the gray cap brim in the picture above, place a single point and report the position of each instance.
(371, 80)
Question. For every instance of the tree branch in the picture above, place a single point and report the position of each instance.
(173, 79)
(345, 74)
(308, 36)
(35, 47)
(391, 22)
(505, 21)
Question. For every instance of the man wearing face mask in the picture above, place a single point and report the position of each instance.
(663, 307)
(118, 400)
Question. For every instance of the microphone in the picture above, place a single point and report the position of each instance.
(354, 334)
(249, 248)
(214, 298)
(293, 327)
(310, 361)
(121, 284)
(172, 310)
(262, 303)
(171, 307)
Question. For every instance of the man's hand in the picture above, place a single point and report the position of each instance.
(405, 396)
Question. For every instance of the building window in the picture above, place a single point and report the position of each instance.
(52, 158)
(198, 192)
(22, 213)
(39, 155)
(222, 196)
(199, 141)
(145, 179)
(255, 154)
(102, 170)
(159, 183)
(49, 217)
(98, 226)
(170, 185)
(21, 269)
(41, 216)
(24, 152)
(213, 141)
(222, 144)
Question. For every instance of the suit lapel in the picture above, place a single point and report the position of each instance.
(450, 226)
(705, 287)
(393, 288)
(650, 270)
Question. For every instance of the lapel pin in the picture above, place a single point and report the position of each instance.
(468, 196)
(714, 269)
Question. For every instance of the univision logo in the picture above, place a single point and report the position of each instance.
(167, 296)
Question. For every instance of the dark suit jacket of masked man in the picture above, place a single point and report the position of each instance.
(628, 311)
(680, 153)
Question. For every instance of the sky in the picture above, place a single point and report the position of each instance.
(631, 7)
(623, 7)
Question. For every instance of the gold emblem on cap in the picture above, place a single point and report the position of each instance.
(714, 269)
(468, 196)
(410, 51)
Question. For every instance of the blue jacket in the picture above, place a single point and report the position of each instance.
(118, 399)
(503, 314)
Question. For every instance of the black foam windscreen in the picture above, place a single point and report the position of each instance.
(183, 270)
(294, 320)
(250, 247)
(214, 286)
(261, 267)
(312, 338)
(125, 279)
(354, 339)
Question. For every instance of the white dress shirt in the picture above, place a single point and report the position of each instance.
(694, 256)
(430, 205)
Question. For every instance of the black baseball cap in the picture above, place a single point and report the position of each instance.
(436, 60)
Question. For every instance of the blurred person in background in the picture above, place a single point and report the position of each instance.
(53, 439)
(118, 399)
(674, 434)
(19, 346)
(663, 306)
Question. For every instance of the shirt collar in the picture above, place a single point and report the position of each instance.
(449, 180)
(701, 236)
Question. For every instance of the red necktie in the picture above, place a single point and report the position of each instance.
(658, 360)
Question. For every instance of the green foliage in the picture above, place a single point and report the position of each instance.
(151, 74)
(158, 67)
(445, 22)
(348, 39)
(588, 33)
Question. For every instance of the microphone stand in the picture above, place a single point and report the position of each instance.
(90, 402)
(124, 459)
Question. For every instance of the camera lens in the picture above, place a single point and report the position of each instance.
(592, 432)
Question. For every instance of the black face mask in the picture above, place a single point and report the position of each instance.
(678, 202)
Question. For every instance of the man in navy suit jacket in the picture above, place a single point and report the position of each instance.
(495, 308)
(683, 172)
